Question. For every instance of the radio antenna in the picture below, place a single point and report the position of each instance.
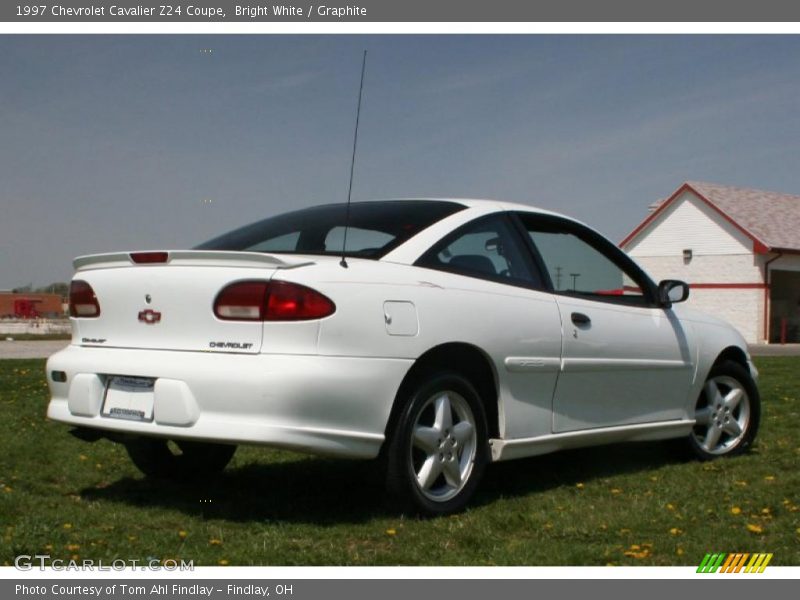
(343, 262)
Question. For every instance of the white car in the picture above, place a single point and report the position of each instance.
(449, 334)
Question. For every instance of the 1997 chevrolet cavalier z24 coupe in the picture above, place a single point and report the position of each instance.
(454, 334)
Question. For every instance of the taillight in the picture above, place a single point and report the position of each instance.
(149, 257)
(271, 301)
(242, 301)
(292, 302)
(82, 300)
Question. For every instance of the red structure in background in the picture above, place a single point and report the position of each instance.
(25, 308)
(31, 305)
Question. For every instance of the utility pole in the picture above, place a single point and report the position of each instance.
(574, 280)
(558, 277)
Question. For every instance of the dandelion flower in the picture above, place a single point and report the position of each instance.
(580, 486)
(67, 526)
(182, 534)
(223, 562)
(754, 528)
(735, 510)
(675, 531)
(215, 542)
(391, 532)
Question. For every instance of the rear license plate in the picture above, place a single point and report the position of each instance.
(129, 398)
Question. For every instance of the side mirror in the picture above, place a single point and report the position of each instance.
(671, 291)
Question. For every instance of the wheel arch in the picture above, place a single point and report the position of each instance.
(732, 353)
(463, 358)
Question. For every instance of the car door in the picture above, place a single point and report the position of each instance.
(625, 358)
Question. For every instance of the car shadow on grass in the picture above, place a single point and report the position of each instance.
(329, 491)
(567, 468)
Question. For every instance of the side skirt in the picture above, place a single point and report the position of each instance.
(520, 448)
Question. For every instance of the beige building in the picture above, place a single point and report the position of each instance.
(738, 248)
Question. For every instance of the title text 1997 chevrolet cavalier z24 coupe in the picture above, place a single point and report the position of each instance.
(456, 333)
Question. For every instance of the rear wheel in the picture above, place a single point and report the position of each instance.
(727, 413)
(438, 451)
(180, 459)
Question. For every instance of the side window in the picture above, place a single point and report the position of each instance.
(581, 263)
(487, 248)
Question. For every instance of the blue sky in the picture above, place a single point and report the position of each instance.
(133, 142)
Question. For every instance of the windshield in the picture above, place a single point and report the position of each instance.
(375, 228)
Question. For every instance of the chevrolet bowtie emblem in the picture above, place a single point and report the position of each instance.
(150, 316)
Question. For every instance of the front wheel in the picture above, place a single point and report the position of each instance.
(438, 451)
(182, 459)
(727, 413)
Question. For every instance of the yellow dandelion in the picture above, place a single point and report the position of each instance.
(741, 483)
(670, 506)
(769, 478)
(675, 531)
(182, 534)
(83, 457)
(754, 528)
(73, 547)
(391, 532)
(638, 552)
(67, 526)
(679, 551)
(48, 546)
(735, 510)
(616, 491)
(215, 542)
(223, 562)
(580, 486)
(131, 538)
(765, 511)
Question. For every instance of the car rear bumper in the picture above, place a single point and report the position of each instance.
(310, 403)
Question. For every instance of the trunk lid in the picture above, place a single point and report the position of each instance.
(169, 305)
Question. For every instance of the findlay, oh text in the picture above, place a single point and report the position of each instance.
(58, 589)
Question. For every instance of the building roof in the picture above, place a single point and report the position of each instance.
(770, 219)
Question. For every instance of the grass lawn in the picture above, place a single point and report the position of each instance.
(35, 337)
(635, 504)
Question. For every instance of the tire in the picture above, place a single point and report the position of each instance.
(438, 451)
(727, 413)
(193, 460)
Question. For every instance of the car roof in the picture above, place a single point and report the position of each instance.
(480, 203)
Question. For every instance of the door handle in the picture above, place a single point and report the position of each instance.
(580, 319)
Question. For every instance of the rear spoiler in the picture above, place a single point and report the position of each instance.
(191, 258)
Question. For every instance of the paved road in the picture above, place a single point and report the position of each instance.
(774, 349)
(30, 349)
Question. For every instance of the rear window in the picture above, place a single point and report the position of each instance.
(375, 228)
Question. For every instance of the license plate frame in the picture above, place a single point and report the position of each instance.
(129, 398)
